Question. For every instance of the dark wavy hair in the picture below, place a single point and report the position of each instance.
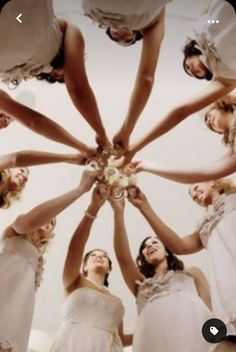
(138, 36)
(148, 270)
(86, 257)
(191, 50)
(57, 63)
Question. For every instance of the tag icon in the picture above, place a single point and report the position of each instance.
(214, 330)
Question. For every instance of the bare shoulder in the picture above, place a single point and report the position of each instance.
(195, 272)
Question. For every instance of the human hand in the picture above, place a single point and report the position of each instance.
(139, 200)
(121, 142)
(87, 180)
(78, 159)
(103, 141)
(142, 165)
(117, 205)
(128, 156)
(98, 197)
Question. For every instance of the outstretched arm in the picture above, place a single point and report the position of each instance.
(38, 123)
(202, 285)
(152, 40)
(75, 251)
(77, 82)
(121, 245)
(127, 339)
(171, 240)
(201, 173)
(214, 91)
(46, 211)
(35, 157)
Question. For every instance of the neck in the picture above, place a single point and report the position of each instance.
(162, 268)
(215, 196)
(231, 121)
(96, 278)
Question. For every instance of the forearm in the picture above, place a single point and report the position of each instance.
(139, 98)
(121, 243)
(162, 127)
(169, 238)
(34, 157)
(45, 212)
(38, 123)
(207, 172)
(86, 104)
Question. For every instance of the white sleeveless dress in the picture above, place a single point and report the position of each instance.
(218, 235)
(91, 320)
(19, 264)
(27, 48)
(131, 14)
(171, 315)
(217, 40)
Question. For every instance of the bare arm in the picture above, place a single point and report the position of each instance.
(46, 211)
(122, 250)
(39, 123)
(127, 339)
(75, 251)
(77, 82)
(201, 173)
(35, 157)
(214, 91)
(202, 285)
(152, 40)
(186, 245)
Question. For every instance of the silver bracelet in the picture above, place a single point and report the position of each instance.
(90, 216)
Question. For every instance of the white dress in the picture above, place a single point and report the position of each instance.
(218, 235)
(132, 14)
(217, 40)
(91, 320)
(19, 264)
(27, 48)
(171, 315)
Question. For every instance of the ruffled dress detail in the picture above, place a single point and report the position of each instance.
(217, 40)
(132, 14)
(21, 267)
(171, 315)
(218, 236)
(27, 49)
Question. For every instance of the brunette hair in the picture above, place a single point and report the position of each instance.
(138, 36)
(85, 259)
(225, 104)
(57, 63)
(191, 50)
(148, 270)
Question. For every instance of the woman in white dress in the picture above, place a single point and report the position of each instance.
(163, 290)
(49, 48)
(215, 56)
(21, 265)
(92, 315)
(216, 233)
(14, 174)
(125, 23)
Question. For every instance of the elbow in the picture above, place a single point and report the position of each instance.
(180, 113)
(147, 81)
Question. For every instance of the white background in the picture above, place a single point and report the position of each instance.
(111, 70)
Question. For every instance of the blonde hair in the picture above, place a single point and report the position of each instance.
(7, 197)
(224, 185)
(226, 104)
